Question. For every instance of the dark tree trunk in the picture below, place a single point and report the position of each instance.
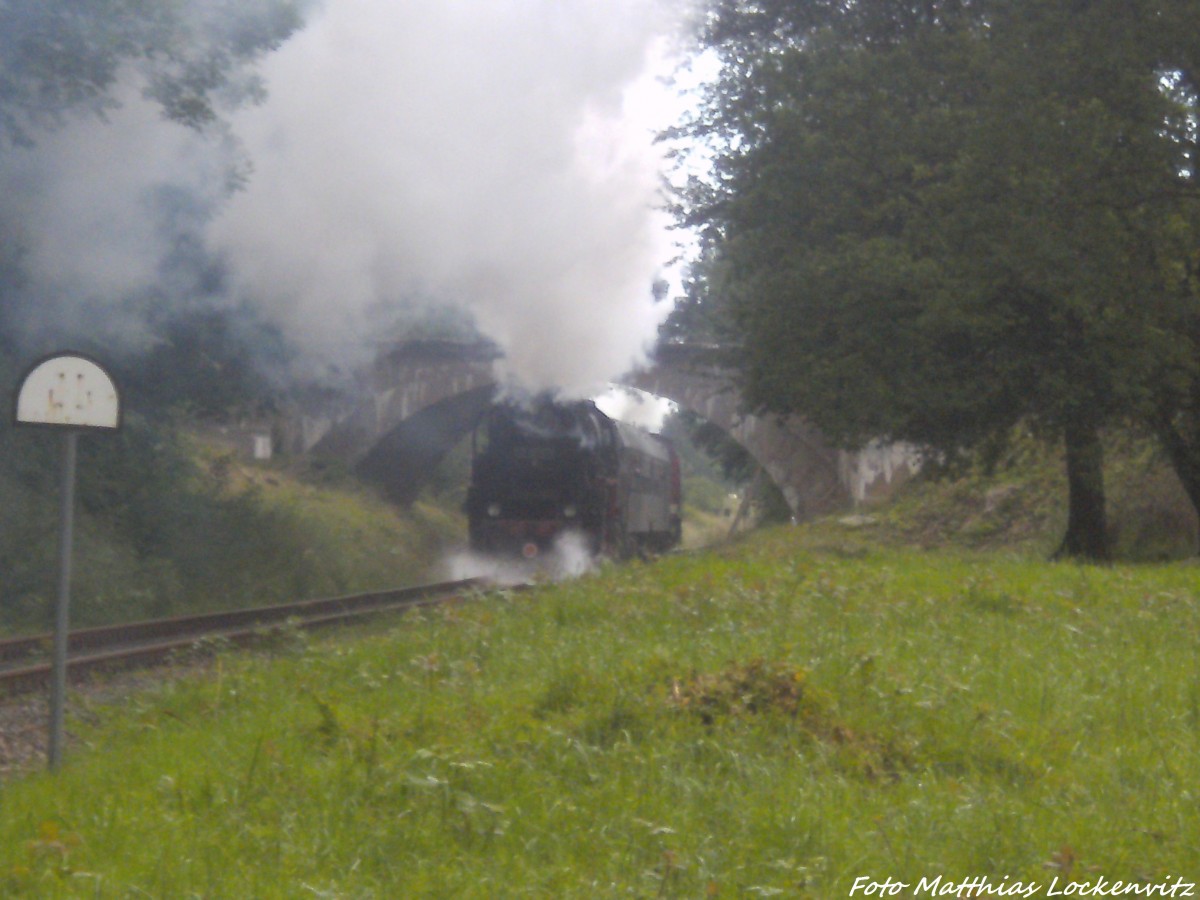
(1087, 523)
(1185, 459)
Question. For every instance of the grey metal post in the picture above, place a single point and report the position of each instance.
(73, 392)
(58, 688)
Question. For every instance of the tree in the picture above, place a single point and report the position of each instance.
(933, 220)
(65, 56)
(213, 364)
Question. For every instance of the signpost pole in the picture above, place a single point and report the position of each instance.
(74, 393)
(58, 688)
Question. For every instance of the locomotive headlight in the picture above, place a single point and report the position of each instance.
(569, 511)
(493, 509)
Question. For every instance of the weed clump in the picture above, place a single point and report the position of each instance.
(748, 689)
(763, 691)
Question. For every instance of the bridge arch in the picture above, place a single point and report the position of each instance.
(417, 400)
(422, 397)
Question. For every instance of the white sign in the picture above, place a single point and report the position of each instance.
(70, 390)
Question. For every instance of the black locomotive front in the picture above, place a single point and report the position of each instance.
(539, 472)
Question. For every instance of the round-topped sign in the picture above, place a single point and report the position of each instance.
(69, 390)
(74, 393)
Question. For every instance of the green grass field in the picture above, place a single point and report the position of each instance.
(778, 718)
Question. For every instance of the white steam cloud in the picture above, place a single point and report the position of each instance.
(489, 154)
(495, 155)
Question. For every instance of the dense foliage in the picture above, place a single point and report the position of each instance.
(167, 525)
(929, 221)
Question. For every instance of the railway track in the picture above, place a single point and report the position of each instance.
(25, 663)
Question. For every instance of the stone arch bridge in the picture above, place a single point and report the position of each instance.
(421, 397)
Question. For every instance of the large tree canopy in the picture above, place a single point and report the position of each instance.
(930, 220)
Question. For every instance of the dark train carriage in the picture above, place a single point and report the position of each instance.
(648, 489)
(548, 469)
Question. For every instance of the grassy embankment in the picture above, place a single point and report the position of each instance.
(169, 524)
(776, 718)
(779, 716)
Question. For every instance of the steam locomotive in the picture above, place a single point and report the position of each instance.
(546, 469)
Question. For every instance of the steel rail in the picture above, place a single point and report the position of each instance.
(145, 642)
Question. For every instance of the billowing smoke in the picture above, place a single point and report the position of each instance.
(488, 154)
(101, 211)
(635, 407)
(477, 152)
